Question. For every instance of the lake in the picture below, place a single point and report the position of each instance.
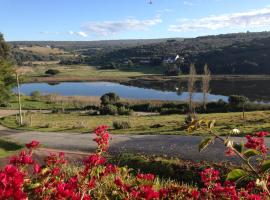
(100, 88)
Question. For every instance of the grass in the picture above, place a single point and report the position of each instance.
(7, 148)
(160, 124)
(78, 73)
(44, 50)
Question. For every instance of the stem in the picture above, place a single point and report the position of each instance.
(243, 159)
(239, 154)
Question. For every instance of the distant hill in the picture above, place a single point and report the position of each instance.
(237, 53)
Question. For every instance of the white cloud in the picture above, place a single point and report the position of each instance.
(79, 33)
(251, 19)
(111, 27)
(189, 3)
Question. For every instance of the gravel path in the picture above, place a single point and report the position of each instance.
(184, 147)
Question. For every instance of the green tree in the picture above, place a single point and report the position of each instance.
(238, 100)
(109, 98)
(7, 79)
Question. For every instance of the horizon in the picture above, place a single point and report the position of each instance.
(99, 20)
(134, 39)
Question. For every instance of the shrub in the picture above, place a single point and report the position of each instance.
(121, 125)
(52, 72)
(24, 178)
(109, 110)
(237, 99)
(109, 98)
(123, 110)
(35, 95)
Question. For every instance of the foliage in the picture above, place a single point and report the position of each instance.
(121, 125)
(237, 100)
(52, 72)
(98, 179)
(109, 98)
(109, 109)
(123, 110)
(35, 95)
(7, 79)
(253, 154)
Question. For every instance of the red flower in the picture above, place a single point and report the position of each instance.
(229, 152)
(32, 144)
(209, 176)
(94, 160)
(92, 183)
(257, 142)
(148, 177)
(37, 168)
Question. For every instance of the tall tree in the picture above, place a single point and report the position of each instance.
(7, 78)
(191, 87)
(206, 84)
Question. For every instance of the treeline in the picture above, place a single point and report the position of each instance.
(242, 53)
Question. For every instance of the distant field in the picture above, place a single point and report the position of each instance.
(43, 50)
(161, 124)
(76, 73)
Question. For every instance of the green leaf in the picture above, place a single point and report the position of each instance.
(251, 152)
(239, 147)
(211, 124)
(204, 143)
(265, 165)
(235, 174)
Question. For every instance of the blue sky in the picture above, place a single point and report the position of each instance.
(129, 19)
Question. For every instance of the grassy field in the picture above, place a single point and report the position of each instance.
(79, 73)
(7, 148)
(43, 50)
(159, 124)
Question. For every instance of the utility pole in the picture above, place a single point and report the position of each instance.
(19, 99)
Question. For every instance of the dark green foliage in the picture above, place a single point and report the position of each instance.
(109, 109)
(52, 72)
(109, 98)
(121, 125)
(123, 110)
(237, 100)
(7, 78)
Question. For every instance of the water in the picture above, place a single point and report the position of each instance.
(100, 88)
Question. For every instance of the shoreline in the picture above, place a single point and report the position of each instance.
(143, 77)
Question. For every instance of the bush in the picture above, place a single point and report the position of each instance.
(109, 110)
(121, 125)
(237, 99)
(109, 98)
(25, 178)
(35, 95)
(52, 72)
(123, 110)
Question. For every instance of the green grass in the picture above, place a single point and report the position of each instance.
(7, 148)
(80, 73)
(160, 124)
(29, 104)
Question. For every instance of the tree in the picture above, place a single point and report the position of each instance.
(109, 98)
(7, 78)
(191, 87)
(238, 100)
(52, 72)
(206, 84)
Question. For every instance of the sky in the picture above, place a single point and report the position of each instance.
(87, 20)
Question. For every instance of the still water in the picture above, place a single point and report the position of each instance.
(100, 88)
